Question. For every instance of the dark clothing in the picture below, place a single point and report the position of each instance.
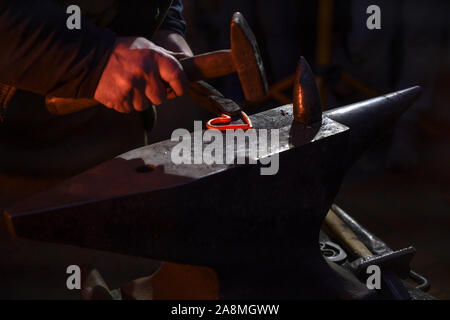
(142, 18)
(40, 54)
(39, 150)
(174, 20)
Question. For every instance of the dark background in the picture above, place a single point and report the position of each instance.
(400, 188)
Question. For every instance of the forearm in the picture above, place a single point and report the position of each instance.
(40, 54)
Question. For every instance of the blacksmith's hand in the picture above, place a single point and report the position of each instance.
(137, 75)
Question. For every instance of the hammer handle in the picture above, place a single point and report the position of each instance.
(204, 66)
(341, 231)
(208, 65)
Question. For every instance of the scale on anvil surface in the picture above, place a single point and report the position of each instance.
(260, 233)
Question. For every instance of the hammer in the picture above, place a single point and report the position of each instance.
(243, 57)
(393, 264)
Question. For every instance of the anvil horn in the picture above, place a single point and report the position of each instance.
(368, 119)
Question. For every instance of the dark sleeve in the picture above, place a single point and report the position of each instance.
(40, 54)
(174, 20)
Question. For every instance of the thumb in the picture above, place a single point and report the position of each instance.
(177, 55)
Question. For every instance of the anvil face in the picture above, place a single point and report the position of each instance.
(220, 214)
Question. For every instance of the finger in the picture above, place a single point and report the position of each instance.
(155, 90)
(108, 105)
(140, 101)
(177, 55)
(180, 85)
(170, 94)
(116, 107)
(126, 106)
(172, 72)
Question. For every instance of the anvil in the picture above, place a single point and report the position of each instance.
(259, 232)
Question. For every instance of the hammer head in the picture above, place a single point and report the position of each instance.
(396, 261)
(247, 59)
